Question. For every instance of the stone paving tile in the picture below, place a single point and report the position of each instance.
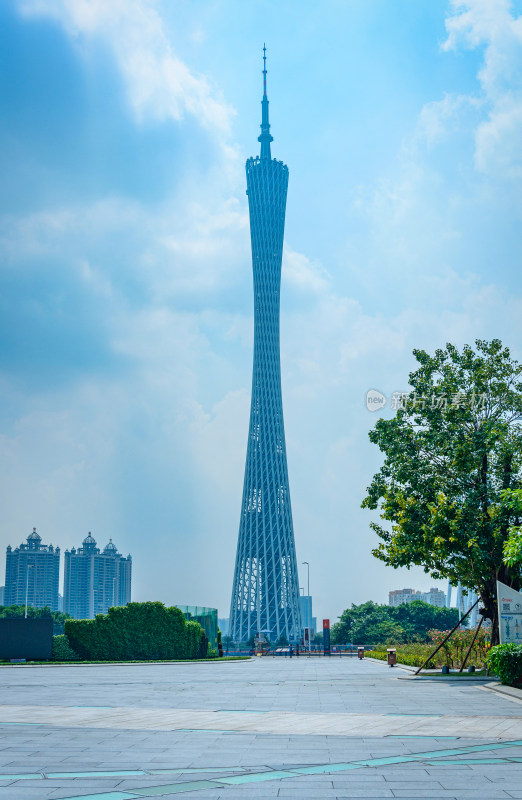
(341, 686)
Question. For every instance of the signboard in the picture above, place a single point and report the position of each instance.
(326, 636)
(509, 614)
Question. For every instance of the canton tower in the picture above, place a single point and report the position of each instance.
(265, 593)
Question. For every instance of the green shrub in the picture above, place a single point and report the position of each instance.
(137, 631)
(451, 654)
(505, 660)
(402, 658)
(453, 651)
(62, 650)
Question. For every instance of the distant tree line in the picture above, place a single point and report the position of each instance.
(370, 623)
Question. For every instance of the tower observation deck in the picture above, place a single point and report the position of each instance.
(265, 593)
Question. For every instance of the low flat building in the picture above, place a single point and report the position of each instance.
(207, 618)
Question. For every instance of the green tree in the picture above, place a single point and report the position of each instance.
(450, 454)
(512, 498)
(370, 623)
(418, 618)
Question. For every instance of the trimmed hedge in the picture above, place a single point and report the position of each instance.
(62, 650)
(137, 631)
(402, 658)
(505, 660)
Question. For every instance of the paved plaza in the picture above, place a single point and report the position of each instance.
(265, 728)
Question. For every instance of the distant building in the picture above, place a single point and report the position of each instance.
(435, 597)
(307, 620)
(32, 570)
(2, 592)
(400, 596)
(223, 625)
(207, 618)
(94, 580)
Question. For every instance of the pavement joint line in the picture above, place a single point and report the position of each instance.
(430, 757)
(123, 773)
(417, 736)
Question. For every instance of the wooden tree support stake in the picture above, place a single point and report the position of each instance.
(452, 631)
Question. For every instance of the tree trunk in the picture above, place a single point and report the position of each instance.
(488, 595)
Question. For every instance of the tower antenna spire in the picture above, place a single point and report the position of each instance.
(264, 70)
(265, 137)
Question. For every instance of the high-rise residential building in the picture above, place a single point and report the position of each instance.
(95, 580)
(32, 572)
(399, 596)
(435, 597)
(265, 593)
(307, 619)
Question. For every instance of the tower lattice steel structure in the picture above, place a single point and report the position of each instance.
(265, 594)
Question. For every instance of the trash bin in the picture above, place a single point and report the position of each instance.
(392, 656)
(360, 652)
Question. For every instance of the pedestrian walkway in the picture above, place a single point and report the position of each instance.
(306, 728)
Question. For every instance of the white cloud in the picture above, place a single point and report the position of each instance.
(182, 247)
(441, 118)
(492, 25)
(159, 85)
(302, 274)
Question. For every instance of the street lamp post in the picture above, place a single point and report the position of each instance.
(308, 607)
(28, 567)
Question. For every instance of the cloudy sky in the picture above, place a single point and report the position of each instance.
(126, 286)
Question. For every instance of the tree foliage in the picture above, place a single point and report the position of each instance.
(371, 623)
(513, 545)
(62, 650)
(452, 458)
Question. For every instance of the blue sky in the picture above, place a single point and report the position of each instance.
(126, 291)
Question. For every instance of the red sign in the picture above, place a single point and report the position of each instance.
(326, 624)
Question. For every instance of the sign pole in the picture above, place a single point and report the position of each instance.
(326, 637)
